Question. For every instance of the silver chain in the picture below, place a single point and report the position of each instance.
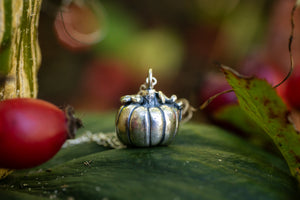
(103, 139)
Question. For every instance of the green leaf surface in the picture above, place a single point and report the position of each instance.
(262, 104)
(204, 162)
(233, 116)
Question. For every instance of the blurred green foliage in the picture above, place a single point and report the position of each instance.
(179, 39)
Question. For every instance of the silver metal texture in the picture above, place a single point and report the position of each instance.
(148, 118)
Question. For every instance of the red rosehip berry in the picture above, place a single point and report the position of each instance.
(32, 131)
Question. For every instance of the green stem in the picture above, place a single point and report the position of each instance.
(19, 50)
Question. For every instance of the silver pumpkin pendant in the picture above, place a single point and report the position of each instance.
(148, 118)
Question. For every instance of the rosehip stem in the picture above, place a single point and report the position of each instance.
(290, 47)
(73, 122)
(210, 99)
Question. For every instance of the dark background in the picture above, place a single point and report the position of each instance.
(180, 40)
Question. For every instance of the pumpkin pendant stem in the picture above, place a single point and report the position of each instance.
(150, 80)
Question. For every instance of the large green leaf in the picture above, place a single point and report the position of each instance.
(233, 117)
(262, 104)
(204, 162)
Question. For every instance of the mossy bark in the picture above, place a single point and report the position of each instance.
(19, 50)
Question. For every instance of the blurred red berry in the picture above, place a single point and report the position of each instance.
(104, 82)
(253, 66)
(213, 84)
(291, 89)
(77, 26)
(265, 70)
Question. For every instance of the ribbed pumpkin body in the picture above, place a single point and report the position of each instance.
(149, 123)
